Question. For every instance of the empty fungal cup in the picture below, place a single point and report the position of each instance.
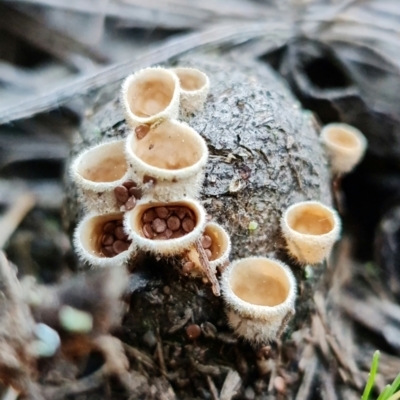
(217, 246)
(195, 86)
(345, 145)
(100, 240)
(97, 172)
(165, 228)
(260, 294)
(310, 229)
(173, 156)
(150, 96)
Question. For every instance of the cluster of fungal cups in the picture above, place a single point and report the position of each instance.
(141, 194)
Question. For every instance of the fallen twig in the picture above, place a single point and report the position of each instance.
(81, 386)
(10, 221)
(11, 394)
(140, 356)
(213, 389)
(207, 268)
(231, 385)
(310, 364)
(166, 50)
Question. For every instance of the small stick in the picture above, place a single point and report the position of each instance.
(115, 359)
(10, 221)
(341, 357)
(231, 385)
(328, 387)
(213, 389)
(139, 356)
(308, 378)
(205, 263)
(78, 387)
(160, 354)
(11, 394)
(284, 323)
(272, 377)
(336, 191)
(319, 336)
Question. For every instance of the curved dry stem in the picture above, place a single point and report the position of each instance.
(217, 244)
(209, 272)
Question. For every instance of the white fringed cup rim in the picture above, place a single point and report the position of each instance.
(344, 157)
(171, 111)
(254, 311)
(98, 152)
(140, 166)
(169, 247)
(217, 233)
(89, 253)
(196, 74)
(195, 86)
(321, 242)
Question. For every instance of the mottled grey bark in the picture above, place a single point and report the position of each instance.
(264, 156)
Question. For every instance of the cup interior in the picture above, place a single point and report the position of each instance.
(151, 92)
(104, 163)
(343, 138)
(169, 146)
(260, 282)
(310, 219)
(92, 232)
(146, 214)
(190, 79)
(220, 241)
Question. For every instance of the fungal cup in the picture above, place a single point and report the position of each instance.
(97, 172)
(150, 96)
(345, 145)
(260, 294)
(101, 241)
(310, 229)
(217, 244)
(195, 86)
(165, 228)
(173, 155)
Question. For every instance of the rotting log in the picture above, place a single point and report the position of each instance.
(264, 156)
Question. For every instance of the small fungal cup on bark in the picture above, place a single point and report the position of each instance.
(216, 243)
(100, 240)
(310, 229)
(345, 145)
(150, 96)
(97, 172)
(173, 156)
(260, 294)
(166, 228)
(195, 86)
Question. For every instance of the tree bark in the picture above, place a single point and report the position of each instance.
(264, 156)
